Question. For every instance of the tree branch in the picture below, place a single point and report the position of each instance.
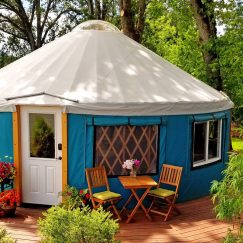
(9, 20)
(48, 8)
(32, 13)
(13, 34)
(54, 22)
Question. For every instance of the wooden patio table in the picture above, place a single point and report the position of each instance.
(133, 184)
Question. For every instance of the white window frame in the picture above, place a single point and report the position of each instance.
(219, 143)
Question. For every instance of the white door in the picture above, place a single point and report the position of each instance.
(41, 154)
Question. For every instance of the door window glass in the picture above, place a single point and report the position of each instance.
(42, 135)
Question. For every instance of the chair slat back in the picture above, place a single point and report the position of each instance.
(171, 175)
(96, 177)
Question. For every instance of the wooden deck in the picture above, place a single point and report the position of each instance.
(197, 224)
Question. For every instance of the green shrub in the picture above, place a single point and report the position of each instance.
(5, 237)
(228, 196)
(73, 198)
(61, 225)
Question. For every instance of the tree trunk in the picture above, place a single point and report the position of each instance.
(38, 24)
(91, 9)
(141, 20)
(104, 9)
(206, 24)
(129, 27)
(127, 21)
(97, 9)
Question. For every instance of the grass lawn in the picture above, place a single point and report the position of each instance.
(237, 144)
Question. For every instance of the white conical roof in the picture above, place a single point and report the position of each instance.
(95, 69)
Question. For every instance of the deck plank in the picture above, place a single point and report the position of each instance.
(196, 224)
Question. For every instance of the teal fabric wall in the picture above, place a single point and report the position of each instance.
(175, 147)
(6, 137)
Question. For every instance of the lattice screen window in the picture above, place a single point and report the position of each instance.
(115, 144)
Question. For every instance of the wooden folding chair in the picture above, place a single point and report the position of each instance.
(97, 177)
(170, 175)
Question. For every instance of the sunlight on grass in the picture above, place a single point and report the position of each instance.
(237, 144)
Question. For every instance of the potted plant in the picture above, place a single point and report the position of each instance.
(73, 198)
(8, 201)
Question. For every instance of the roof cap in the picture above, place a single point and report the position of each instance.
(96, 25)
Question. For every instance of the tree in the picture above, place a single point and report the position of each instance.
(170, 31)
(228, 196)
(230, 50)
(36, 22)
(206, 23)
(133, 18)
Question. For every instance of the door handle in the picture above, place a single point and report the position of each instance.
(59, 158)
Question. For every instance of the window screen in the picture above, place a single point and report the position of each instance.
(115, 144)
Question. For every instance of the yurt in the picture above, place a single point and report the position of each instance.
(96, 97)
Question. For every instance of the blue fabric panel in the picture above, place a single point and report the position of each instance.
(177, 141)
(110, 121)
(207, 117)
(120, 120)
(202, 117)
(76, 149)
(90, 147)
(226, 135)
(80, 149)
(143, 121)
(6, 136)
(220, 115)
(196, 182)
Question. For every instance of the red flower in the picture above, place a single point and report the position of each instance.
(84, 201)
(9, 198)
(87, 196)
(81, 192)
(7, 170)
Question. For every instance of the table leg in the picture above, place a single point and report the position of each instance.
(127, 202)
(142, 206)
(140, 200)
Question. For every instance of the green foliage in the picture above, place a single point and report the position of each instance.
(230, 46)
(77, 226)
(5, 237)
(232, 238)
(74, 198)
(170, 31)
(228, 194)
(237, 145)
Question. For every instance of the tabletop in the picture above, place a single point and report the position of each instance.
(137, 182)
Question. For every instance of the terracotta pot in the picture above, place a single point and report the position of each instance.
(9, 211)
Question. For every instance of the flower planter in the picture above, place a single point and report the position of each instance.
(9, 211)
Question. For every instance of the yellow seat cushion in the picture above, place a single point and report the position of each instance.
(106, 195)
(160, 192)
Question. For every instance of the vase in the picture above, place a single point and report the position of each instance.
(9, 211)
(133, 173)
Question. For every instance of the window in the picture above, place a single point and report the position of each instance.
(42, 135)
(115, 144)
(206, 142)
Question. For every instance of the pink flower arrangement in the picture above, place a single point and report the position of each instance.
(131, 164)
